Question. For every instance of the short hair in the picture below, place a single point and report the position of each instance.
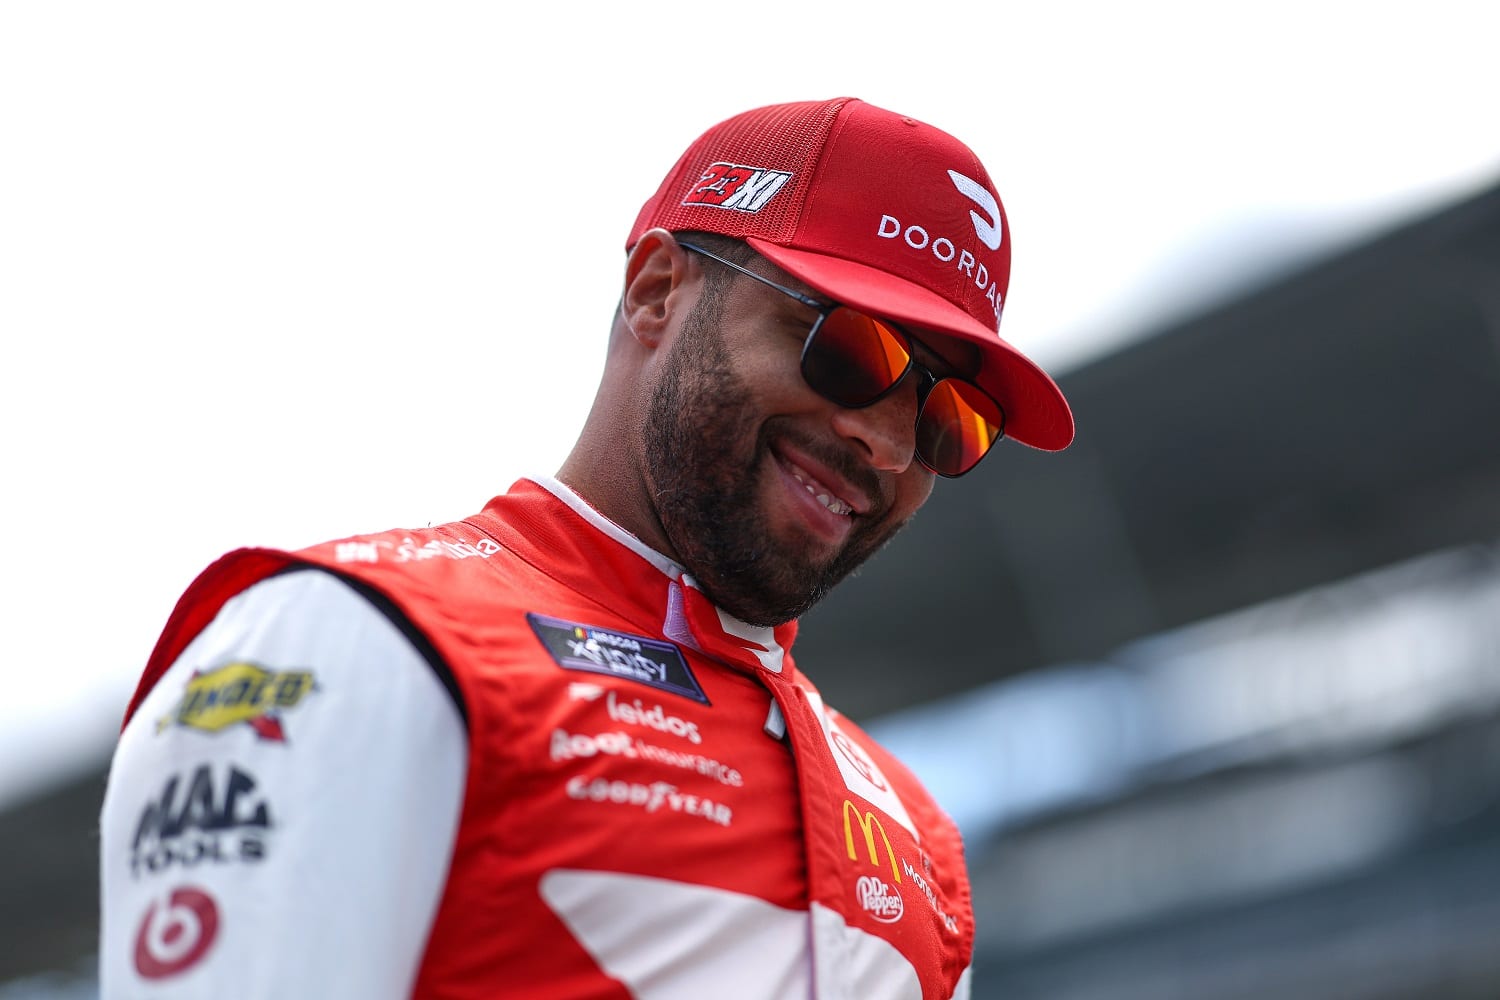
(727, 247)
(717, 280)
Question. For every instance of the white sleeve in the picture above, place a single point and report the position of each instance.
(281, 810)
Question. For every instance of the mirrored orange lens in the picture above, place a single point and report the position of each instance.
(854, 358)
(957, 426)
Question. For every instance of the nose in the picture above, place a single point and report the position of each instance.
(885, 432)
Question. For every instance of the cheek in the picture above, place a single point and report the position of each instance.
(766, 358)
(772, 383)
(913, 487)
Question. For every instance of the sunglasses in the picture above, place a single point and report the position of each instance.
(856, 360)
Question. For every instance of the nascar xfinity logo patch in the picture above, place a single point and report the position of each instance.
(239, 693)
(631, 657)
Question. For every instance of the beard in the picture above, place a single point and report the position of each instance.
(706, 452)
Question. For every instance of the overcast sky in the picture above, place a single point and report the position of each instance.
(280, 272)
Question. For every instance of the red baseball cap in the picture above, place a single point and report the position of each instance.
(877, 211)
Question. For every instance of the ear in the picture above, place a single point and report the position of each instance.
(656, 273)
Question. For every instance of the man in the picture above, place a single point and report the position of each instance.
(560, 748)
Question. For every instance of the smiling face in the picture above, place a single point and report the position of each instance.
(768, 493)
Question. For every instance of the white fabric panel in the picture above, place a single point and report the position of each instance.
(854, 965)
(331, 807)
(861, 774)
(669, 940)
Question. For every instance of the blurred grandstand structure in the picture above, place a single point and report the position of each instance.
(1218, 688)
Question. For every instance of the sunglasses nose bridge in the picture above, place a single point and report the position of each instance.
(926, 382)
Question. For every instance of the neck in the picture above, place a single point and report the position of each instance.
(603, 471)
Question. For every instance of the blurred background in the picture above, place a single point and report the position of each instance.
(1214, 694)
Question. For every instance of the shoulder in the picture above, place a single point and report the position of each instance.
(280, 597)
(281, 639)
(293, 745)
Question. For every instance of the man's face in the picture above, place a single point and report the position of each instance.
(768, 493)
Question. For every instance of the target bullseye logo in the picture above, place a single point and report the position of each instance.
(854, 755)
(173, 937)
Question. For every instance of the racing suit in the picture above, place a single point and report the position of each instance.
(516, 755)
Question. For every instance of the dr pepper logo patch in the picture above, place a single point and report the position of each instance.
(239, 693)
(617, 654)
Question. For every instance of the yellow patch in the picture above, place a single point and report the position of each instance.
(239, 693)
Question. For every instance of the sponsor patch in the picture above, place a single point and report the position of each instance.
(949, 921)
(634, 712)
(736, 186)
(407, 550)
(176, 933)
(869, 824)
(986, 226)
(659, 796)
(617, 654)
(861, 774)
(879, 900)
(239, 693)
(580, 746)
(877, 897)
(857, 758)
(203, 820)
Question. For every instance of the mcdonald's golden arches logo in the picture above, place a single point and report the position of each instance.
(868, 823)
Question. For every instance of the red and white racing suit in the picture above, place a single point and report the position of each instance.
(516, 755)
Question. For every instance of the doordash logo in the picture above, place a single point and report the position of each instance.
(954, 250)
(988, 230)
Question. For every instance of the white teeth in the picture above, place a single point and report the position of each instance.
(832, 503)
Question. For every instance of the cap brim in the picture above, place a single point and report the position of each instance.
(1036, 413)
